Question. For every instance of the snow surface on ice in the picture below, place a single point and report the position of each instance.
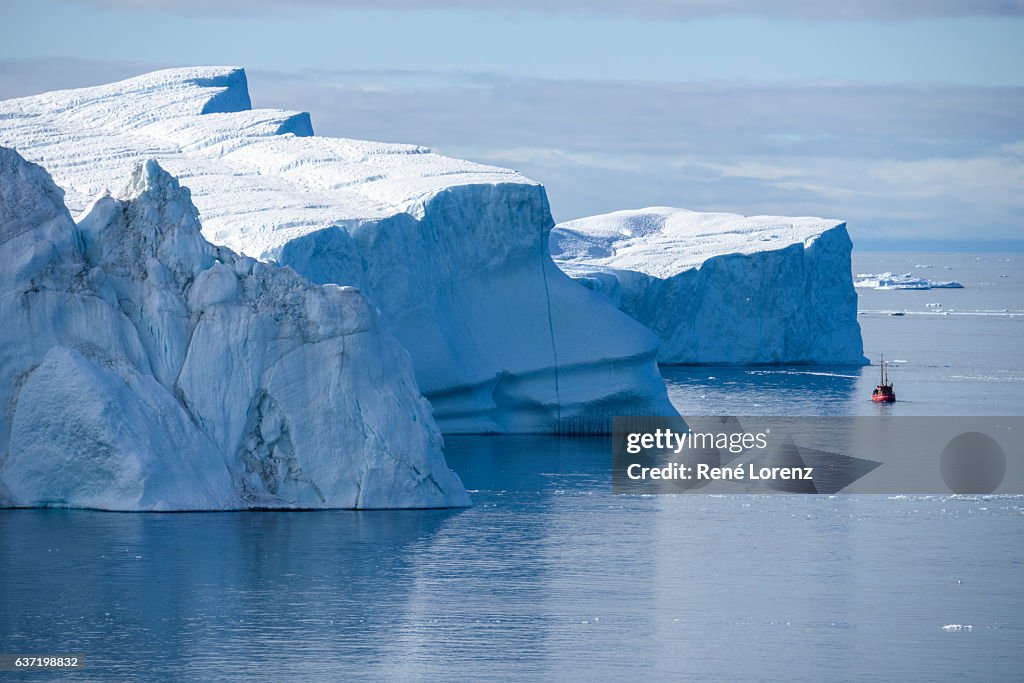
(720, 287)
(454, 253)
(143, 368)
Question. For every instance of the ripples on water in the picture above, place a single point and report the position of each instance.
(550, 576)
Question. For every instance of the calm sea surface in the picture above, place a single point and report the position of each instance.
(550, 576)
(952, 352)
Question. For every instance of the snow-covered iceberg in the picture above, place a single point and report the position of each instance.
(455, 254)
(904, 281)
(143, 368)
(721, 288)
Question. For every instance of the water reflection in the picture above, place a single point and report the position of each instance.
(549, 577)
(193, 589)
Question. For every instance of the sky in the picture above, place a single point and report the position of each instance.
(904, 118)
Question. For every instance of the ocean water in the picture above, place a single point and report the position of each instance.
(952, 352)
(552, 577)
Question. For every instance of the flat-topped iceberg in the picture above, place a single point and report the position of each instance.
(720, 288)
(904, 281)
(455, 254)
(143, 368)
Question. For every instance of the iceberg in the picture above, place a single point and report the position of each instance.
(904, 281)
(720, 288)
(143, 368)
(454, 254)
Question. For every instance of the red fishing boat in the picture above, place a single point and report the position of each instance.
(884, 392)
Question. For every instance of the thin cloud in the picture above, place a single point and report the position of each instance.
(844, 120)
(653, 9)
(931, 162)
(924, 162)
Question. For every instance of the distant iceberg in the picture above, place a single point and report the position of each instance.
(143, 368)
(721, 288)
(455, 254)
(904, 281)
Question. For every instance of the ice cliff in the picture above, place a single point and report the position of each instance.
(143, 368)
(720, 288)
(454, 254)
